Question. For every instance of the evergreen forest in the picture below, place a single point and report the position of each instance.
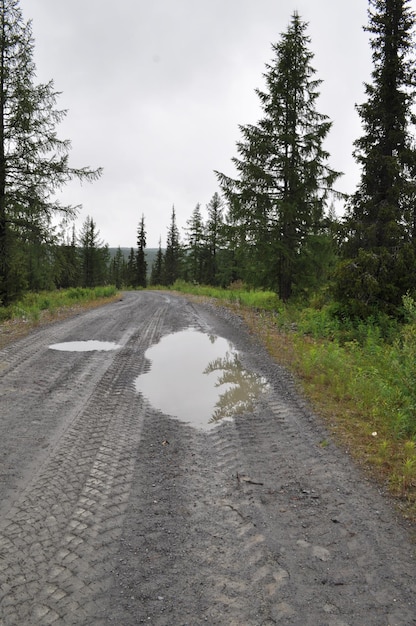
(326, 280)
(276, 222)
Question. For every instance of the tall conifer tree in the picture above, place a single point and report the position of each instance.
(380, 226)
(156, 275)
(214, 237)
(94, 255)
(173, 253)
(117, 269)
(284, 180)
(33, 160)
(131, 270)
(141, 263)
(195, 245)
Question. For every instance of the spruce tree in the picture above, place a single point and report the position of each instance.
(132, 269)
(214, 236)
(173, 253)
(33, 160)
(380, 227)
(284, 181)
(156, 275)
(141, 263)
(195, 246)
(117, 269)
(68, 262)
(94, 255)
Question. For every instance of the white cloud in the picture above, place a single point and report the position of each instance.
(155, 92)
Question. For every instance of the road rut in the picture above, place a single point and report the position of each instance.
(114, 513)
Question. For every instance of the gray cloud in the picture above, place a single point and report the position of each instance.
(155, 92)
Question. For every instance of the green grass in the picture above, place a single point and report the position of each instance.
(359, 375)
(31, 306)
(236, 294)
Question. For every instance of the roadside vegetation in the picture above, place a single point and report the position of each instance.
(333, 298)
(360, 377)
(33, 308)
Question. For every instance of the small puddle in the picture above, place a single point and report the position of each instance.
(198, 378)
(84, 346)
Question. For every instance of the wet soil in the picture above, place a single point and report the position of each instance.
(115, 512)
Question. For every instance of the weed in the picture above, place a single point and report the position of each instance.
(31, 307)
(408, 474)
(409, 448)
(383, 450)
(359, 374)
(238, 294)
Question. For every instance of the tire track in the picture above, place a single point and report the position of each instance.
(310, 515)
(57, 540)
(189, 480)
(40, 393)
(139, 518)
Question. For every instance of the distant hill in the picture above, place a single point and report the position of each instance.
(150, 252)
(150, 255)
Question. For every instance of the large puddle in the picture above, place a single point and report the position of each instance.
(199, 379)
(84, 346)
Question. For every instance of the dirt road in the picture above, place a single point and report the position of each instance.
(112, 512)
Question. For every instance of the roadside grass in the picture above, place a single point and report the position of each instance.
(20, 317)
(236, 294)
(359, 377)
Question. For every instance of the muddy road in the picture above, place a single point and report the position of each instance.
(113, 511)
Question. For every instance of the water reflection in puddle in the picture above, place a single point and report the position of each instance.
(84, 346)
(199, 379)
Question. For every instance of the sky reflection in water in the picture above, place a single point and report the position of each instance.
(84, 346)
(199, 379)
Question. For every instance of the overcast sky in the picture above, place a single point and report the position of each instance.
(155, 91)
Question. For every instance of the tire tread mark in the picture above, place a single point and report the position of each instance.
(71, 513)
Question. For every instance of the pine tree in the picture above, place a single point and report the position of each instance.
(380, 226)
(214, 238)
(117, 269)
(33, 161)
(173, 253)
(68, 262)
(195, 246)
(141, 264)
(156, 276)
(94, 255)
(284, 181)
(132, 269)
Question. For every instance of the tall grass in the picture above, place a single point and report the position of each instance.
(31, 306)
(236, 294)
(360, 375)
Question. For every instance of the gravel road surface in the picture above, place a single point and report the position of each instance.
(113, 512)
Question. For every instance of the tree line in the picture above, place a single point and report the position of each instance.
(272, 224)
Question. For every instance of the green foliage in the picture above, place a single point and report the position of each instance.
(117, 271)
(141, 263)
(379, 240)
(369, 364)
(33, 161)
(375, 368)
(156, 276)
(172, 259)
(265, 300)
(82, 294)
(195, 247)
(31, 305)
(276, 205)
(94, 255)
